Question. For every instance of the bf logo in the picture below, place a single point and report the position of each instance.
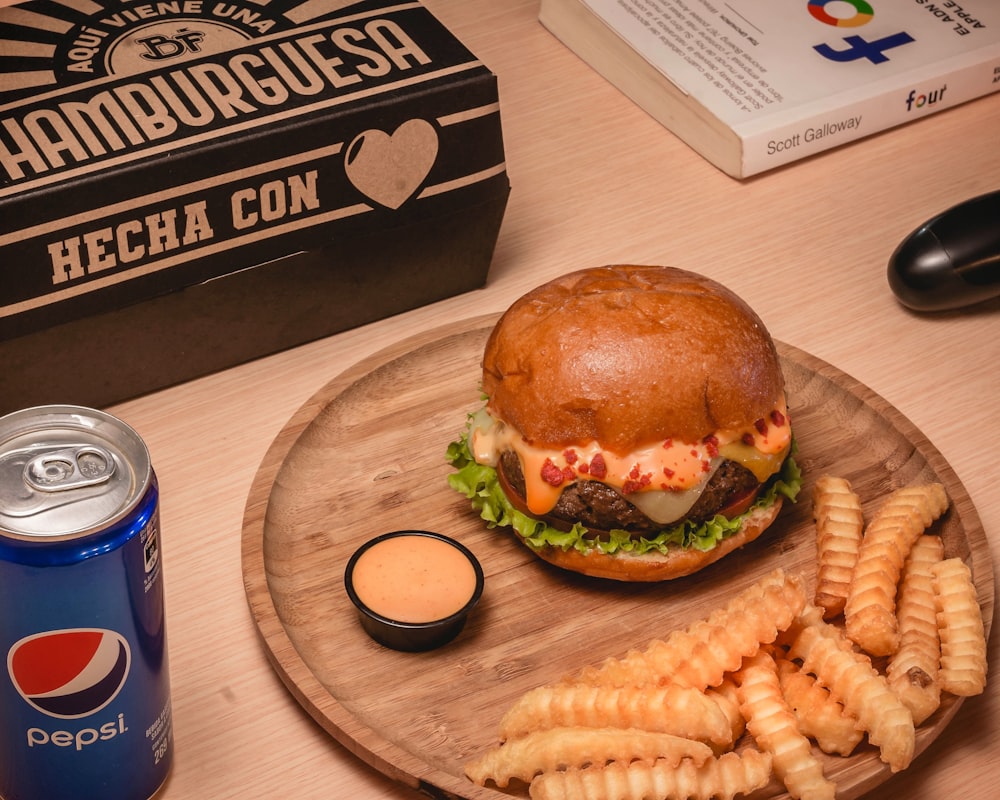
(160, 47)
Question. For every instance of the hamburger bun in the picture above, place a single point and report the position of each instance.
(694, 357)
(655, 566)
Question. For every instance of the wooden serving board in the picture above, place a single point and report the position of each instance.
(366, 455)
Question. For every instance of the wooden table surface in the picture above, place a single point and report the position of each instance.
(594, 181)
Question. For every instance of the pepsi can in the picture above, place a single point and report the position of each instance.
(84, 693)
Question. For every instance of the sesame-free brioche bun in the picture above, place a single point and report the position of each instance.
(693, 358)
(655, 566)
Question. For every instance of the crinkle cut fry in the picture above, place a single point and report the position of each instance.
(862, 690)
(870, 610)
(775, 729)
(700, 655)
(562, 748)
(679, 710)
(960, 626)
(727, 698)
(720, 778)
(912, 671)
(839, 526)
(821, 717)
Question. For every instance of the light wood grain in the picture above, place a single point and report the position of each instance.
(366, 455)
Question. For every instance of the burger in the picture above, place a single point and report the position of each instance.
(635, 424)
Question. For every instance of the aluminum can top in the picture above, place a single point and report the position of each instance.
(68, 471)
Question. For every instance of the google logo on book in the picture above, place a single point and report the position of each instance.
(857, 46)
(862, 13)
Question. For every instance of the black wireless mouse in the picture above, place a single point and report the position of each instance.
(952, 260)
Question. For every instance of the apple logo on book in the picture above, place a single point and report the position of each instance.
(389, 168)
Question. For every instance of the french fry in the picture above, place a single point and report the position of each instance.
(727, 697)
(700, 655)
(863, 691)
(960, 626)
(912, 671)
(669, 721)
(870, 610)
(562, 748)
(812, 616)
(678, 710)
(775, 730)
(839, 527)
(820, 717)
(719, 778)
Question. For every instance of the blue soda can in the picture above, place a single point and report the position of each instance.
(85, 694)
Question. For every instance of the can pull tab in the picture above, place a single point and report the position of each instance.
(69, 468)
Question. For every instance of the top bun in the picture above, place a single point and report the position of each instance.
(628, 356)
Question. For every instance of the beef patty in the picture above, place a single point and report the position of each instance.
(600, 507)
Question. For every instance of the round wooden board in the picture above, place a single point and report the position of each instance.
(366, 455)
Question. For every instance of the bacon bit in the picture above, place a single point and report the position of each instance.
(761, 426)
(695, 453)
(633, 485)
(668, 444)
(598, 467)
(634, 472)
(777, 418)
(584, 468)
(747, 439)
(570, 456)
(568, 473)
(668, 472)
(711, 443)
(551, 474)
(706, 465)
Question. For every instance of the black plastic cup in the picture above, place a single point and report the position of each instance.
(413, 636)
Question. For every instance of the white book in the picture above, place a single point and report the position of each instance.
(754, 84)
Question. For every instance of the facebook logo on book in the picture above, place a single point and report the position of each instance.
(857, 46)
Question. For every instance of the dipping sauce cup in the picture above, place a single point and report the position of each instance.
(413, 589)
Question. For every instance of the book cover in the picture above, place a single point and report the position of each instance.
(752, 85)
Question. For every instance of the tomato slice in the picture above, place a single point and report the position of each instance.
(738, 504)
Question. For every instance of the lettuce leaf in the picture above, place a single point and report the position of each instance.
(480, 485)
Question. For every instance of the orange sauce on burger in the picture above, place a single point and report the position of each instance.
(674, 467)
(413, 578)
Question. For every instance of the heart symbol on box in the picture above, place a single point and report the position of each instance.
(389, 169)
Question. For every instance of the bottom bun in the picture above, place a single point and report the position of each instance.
(656, 566)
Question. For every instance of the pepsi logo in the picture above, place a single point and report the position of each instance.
(69, 673)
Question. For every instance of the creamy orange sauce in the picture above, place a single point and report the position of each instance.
(414, 579)
(680, 468)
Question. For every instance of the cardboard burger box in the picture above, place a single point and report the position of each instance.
(189, 184)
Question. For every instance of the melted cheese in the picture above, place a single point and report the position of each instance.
(667, 506)
(663, 480)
